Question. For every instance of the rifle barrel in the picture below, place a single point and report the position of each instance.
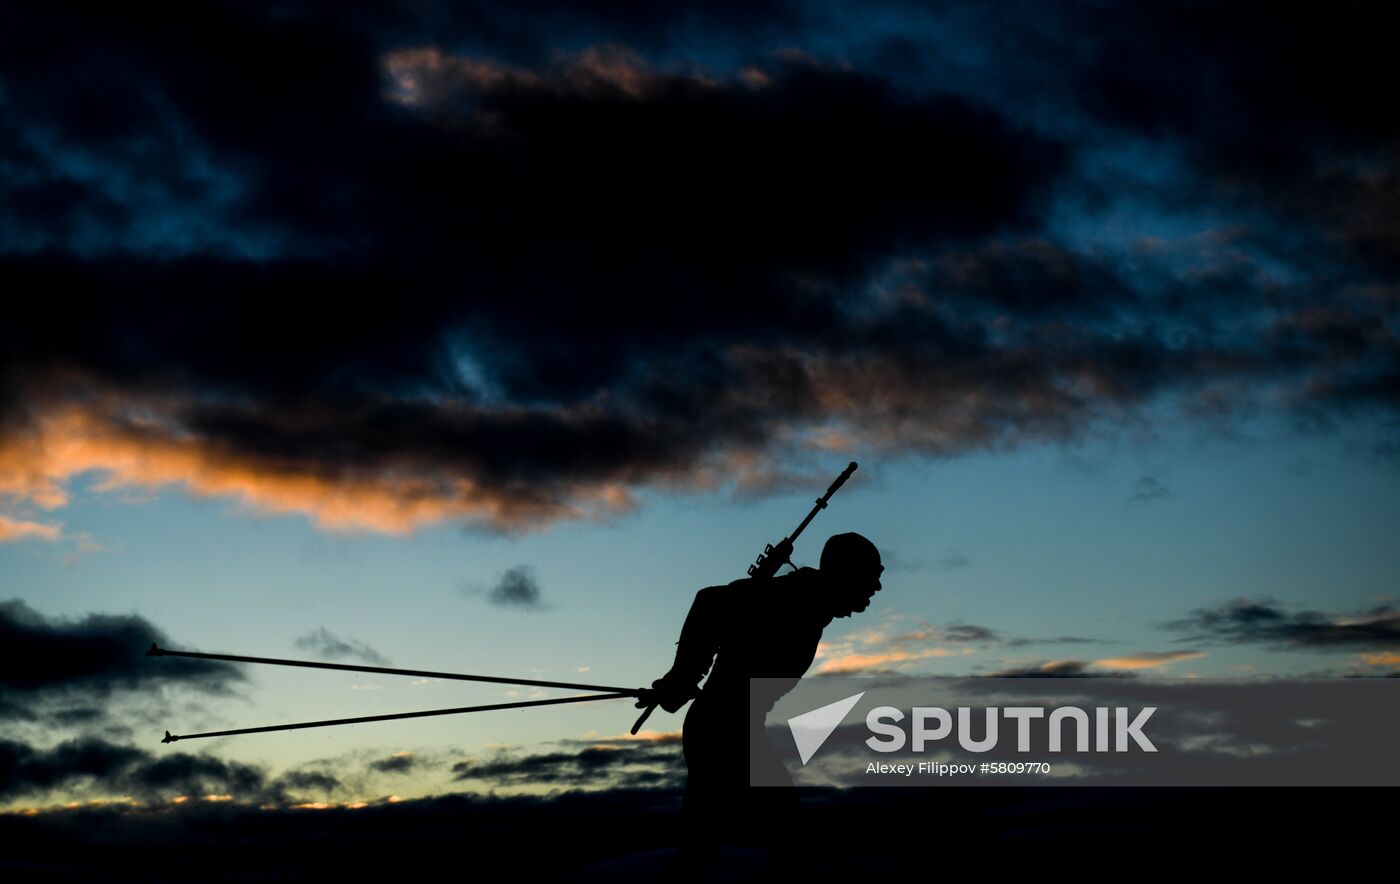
(823, 500)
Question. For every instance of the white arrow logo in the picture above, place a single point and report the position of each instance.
(810, 729)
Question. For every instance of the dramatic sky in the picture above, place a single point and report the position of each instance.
(478, 336)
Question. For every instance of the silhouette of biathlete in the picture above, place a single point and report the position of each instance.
(753, 628)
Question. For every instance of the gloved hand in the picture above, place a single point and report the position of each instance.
(668, 693)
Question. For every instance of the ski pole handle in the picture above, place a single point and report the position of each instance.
(642, 718)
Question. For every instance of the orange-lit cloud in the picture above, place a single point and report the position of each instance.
(427, 78)
(424, 77)
(20, 529)
(140, 446)
(381, 465)
(645, 737)
(1382, 658)
(850, 663)
(881, 647)
(148, 453)
(1148, 660)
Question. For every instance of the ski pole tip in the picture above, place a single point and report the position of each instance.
(168, 738)
(154, 651)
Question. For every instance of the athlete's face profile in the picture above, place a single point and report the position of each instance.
(856, 590)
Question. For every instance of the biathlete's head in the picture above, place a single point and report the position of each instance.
(851, 567)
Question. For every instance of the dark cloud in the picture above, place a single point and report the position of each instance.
(967, 632)
(1028, 277)
(1264, 621)
(1059, 669)
(517, 588)
(1280, 111)
(397, 764)
(847, 671)
(611, 247)
(303, 781)
(99, 768)
(12, 711)
(326, 644)
(603, 763)
(28, 770)
(71, 667)
(80, 715)
(1061, 639)
(92, 767)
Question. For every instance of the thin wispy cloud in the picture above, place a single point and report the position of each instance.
(954, 560)
(1149, 488)
(324, 643)
(1264, 621)
(1149, 660)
